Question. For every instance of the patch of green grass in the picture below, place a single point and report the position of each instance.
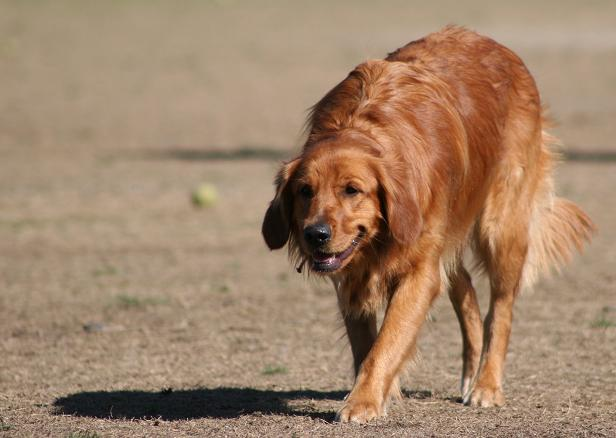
(603, 321)
(127, 301)
(270, 370)
(104, 271)
(223, 288)
(20, 224)
(5, 426)
(83, 434)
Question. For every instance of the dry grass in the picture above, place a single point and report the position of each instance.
(125, 311)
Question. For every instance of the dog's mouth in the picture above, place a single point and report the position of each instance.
(330, 262)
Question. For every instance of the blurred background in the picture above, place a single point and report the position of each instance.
(118, 75)
(113, 114)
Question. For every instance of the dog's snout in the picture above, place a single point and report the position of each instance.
(318, 234)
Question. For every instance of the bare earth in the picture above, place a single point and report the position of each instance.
(126, 311)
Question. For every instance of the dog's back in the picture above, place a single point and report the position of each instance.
(508, 150)
(462, 113)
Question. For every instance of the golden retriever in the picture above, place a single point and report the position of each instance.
(408, 161)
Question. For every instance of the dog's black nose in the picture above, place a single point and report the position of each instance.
(316, 235)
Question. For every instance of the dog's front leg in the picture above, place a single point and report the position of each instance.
(361, 331)
(395, 342)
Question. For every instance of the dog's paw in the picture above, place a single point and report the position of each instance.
(359, 411)
(485, 397)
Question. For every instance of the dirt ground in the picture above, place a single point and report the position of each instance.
(126, 311)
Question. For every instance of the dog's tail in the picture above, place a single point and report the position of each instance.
(557, 227)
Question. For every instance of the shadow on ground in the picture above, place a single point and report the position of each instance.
(590, 156)
(265, 153)
(218, 403)
(194, 403)
(253, 152)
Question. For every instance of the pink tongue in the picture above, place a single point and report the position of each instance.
(323, 258)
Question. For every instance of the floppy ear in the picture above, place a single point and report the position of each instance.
(275, 228)
(399, 206)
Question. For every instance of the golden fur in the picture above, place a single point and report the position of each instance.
(408, 161)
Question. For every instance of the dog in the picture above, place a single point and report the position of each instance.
(408, 161)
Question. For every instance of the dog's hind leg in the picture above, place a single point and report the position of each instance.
(505, 271)
(464, 300)
(502, 243)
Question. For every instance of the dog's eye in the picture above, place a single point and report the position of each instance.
(306, 191)
(351, 190)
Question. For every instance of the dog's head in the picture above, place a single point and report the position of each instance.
(337, 201)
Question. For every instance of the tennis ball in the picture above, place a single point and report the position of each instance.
(205, 195)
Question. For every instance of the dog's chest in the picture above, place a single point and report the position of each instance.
(361, 292)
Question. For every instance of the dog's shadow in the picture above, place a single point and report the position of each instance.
(216, 403)
(171, 404)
